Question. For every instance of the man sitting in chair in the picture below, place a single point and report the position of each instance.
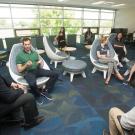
(120, 122)
(29, 64)
(12, 98)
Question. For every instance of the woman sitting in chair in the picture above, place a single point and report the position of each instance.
(60, 38)
(119, 48)
(88, 37)
(103, 55)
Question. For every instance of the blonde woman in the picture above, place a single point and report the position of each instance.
(103, 55)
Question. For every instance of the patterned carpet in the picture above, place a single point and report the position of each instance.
(80, 107)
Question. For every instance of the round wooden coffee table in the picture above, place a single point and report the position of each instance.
(69, 49)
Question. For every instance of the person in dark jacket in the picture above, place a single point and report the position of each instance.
(12, 98)
(120, 48)
(60, 38)
(88, 37)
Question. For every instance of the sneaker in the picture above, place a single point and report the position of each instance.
(105, 132)
(46, 95)
(125, 82)
(39, 100)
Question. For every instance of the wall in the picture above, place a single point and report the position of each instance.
(125, 18)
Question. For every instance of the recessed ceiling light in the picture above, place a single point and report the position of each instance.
(119, 5)
(109, 2)
(97, 3)
(103, 2)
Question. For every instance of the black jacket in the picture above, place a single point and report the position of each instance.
(8, 95)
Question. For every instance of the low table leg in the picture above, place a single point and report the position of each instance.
(71, 77)
(64, 73)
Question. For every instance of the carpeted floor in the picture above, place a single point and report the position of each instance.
(80, 107)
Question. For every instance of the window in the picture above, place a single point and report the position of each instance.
(106, 23)
(49, 19)
(27, 32)
(72, 23)
(51, 22)
(50, 13)
(24, 13)
(109, 16)
(72, 14)
(104, 31)
(73, 31)
(91, 23)
(5, 23)
(25, 23)
(91, 15)
(5, 12)
(6, 33)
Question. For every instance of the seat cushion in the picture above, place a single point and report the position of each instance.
(62, 54)
(40, 80)
(74, 65)
(100, 65)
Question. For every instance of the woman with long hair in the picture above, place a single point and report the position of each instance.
(61, 38)
(88, 37)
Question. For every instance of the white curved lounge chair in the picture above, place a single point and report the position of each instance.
(93, 57)
(53, 53)
(18, 77)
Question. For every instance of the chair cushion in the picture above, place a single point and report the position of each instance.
(40, 80)
(63, 54)
(100, 65)
(74, 65)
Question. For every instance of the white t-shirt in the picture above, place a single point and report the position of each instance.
(128, 119)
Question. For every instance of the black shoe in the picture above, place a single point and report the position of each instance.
(125, 82)
(105, 132)
(33, 123)
(46, 95)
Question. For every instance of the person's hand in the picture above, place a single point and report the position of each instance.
(17, 86)
(29, 63)
(20, 86)
(40, 62)
(14, 85)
